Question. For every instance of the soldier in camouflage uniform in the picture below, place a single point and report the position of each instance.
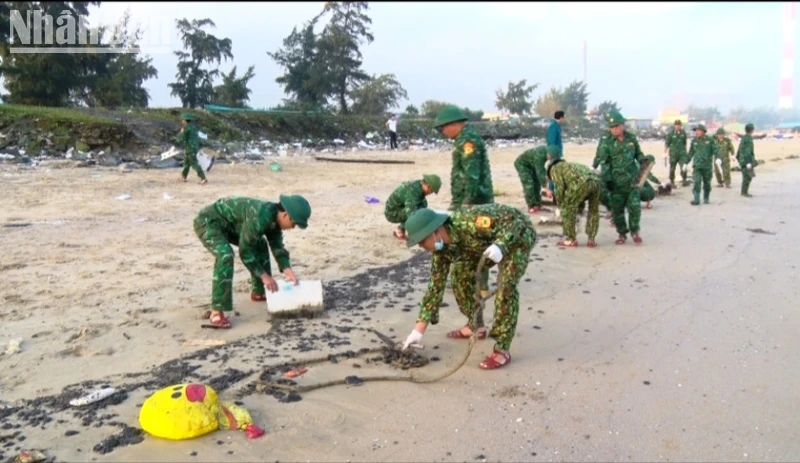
(530, 167)
(746, 157)
(505, 236)
(620, 153)
(409, 197)
(470, 177)
(647, 193)
(575, 183)
(722, 167)
(190, 139)
(676, 145)
(255, 227)
(703, 150)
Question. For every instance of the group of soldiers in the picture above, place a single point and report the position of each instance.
(477, 233)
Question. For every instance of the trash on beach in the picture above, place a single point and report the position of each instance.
(295, 372)
(124, 197)
(202, 135)
(371, 200)
(173, 151)
(275, 167)
(14, 346)
(30, 456)
(204, 342)
(186, 411)
(92, 397)
(167, 196)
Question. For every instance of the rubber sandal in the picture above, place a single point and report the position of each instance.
(258, 297)
(591, 244)
(567, 244)
(621, 240)
(397, 235)
(203, 182)
(295, 372)
(457, 334)
(533, 210)
(489, 363)
(648, 206)
(218, 322)
(637, 239)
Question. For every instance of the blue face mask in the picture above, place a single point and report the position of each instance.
(438, 244)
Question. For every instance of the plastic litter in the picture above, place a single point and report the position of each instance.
(275, 167)
(167, 196)
(371, 200)
(92, 397)
(124, 197)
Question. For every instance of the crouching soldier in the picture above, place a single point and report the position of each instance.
(505, 236)
(255, 227)
(574, 184)
(530, 167)
(409, 197)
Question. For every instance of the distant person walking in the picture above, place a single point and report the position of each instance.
(554, 139)
(391, 124)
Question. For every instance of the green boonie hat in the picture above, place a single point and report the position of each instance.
(614, 118)
(433, 181)
(554, 151)
(298, 209)
(650, 158)
(700, 127)
(187, 117)
(749, 127)
(678, 122)
(449, 114)
(421, 224)
(720, 131)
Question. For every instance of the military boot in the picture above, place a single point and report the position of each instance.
(696, 200)
(706, 198)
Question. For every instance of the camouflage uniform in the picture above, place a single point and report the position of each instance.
(241, 222)
(746, 155)
(190, 139)
(621, 159)
(703, 151)
(647, 192)
(470, 177)
(725, 152)
(575, 184)
(530, 167)
(676, 143)
(406, 199)
(471, 231)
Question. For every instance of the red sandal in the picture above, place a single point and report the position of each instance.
(489, 363)
(621, 240)
(591, 244)
(398, 235)
(533, 210)
(567, 244)
(457, 334)
(218, 321)
(637, 239)
(258, 297)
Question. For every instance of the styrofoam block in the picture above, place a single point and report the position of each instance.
(441, 212)
(289, 298)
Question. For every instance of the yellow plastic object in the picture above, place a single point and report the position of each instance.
(185, 411)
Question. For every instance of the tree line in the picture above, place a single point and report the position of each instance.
(321, 70)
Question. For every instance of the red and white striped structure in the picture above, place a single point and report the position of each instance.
(786, 98)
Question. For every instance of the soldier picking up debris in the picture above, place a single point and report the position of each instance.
(409, 197)
(532, 174)
(505, 236)
(574, 184)
(255, 227)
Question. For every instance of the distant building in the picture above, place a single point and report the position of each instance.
(637, 123)
(669, 116)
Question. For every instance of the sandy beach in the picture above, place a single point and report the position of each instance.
(682, 349)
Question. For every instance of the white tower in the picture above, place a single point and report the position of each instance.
(786, 97)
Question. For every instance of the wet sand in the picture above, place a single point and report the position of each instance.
(680, 349)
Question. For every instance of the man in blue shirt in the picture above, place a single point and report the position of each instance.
(554, 139)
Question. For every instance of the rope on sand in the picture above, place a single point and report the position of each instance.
(363, 161)
(475, 323)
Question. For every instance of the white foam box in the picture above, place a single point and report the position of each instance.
(307, 296)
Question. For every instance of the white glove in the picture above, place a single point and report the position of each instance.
(558, 212)
(685, 168)
(719, 162)
(749, 166)
(494, 253)
(413, 339)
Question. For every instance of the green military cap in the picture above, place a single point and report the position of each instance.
(720, 131)
(678, 122)
(554, 151)
(298, 209)
(700, 127)
(421, 224)
(187, 117)
(749, 126)
(433, 181)
(449, 114)
(614, 118)
(650, 158)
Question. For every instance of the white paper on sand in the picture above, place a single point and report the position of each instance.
(290, 297)
(92, 397)
(173, 151)
(206, 158)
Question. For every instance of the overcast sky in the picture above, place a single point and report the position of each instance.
(645, 56)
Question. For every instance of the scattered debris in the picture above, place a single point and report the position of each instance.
(204, 342)
(295, 372)
(14, 346)
(760, 230)
(167, 196)
(124, 197)
(92, 397)
(30, 456)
